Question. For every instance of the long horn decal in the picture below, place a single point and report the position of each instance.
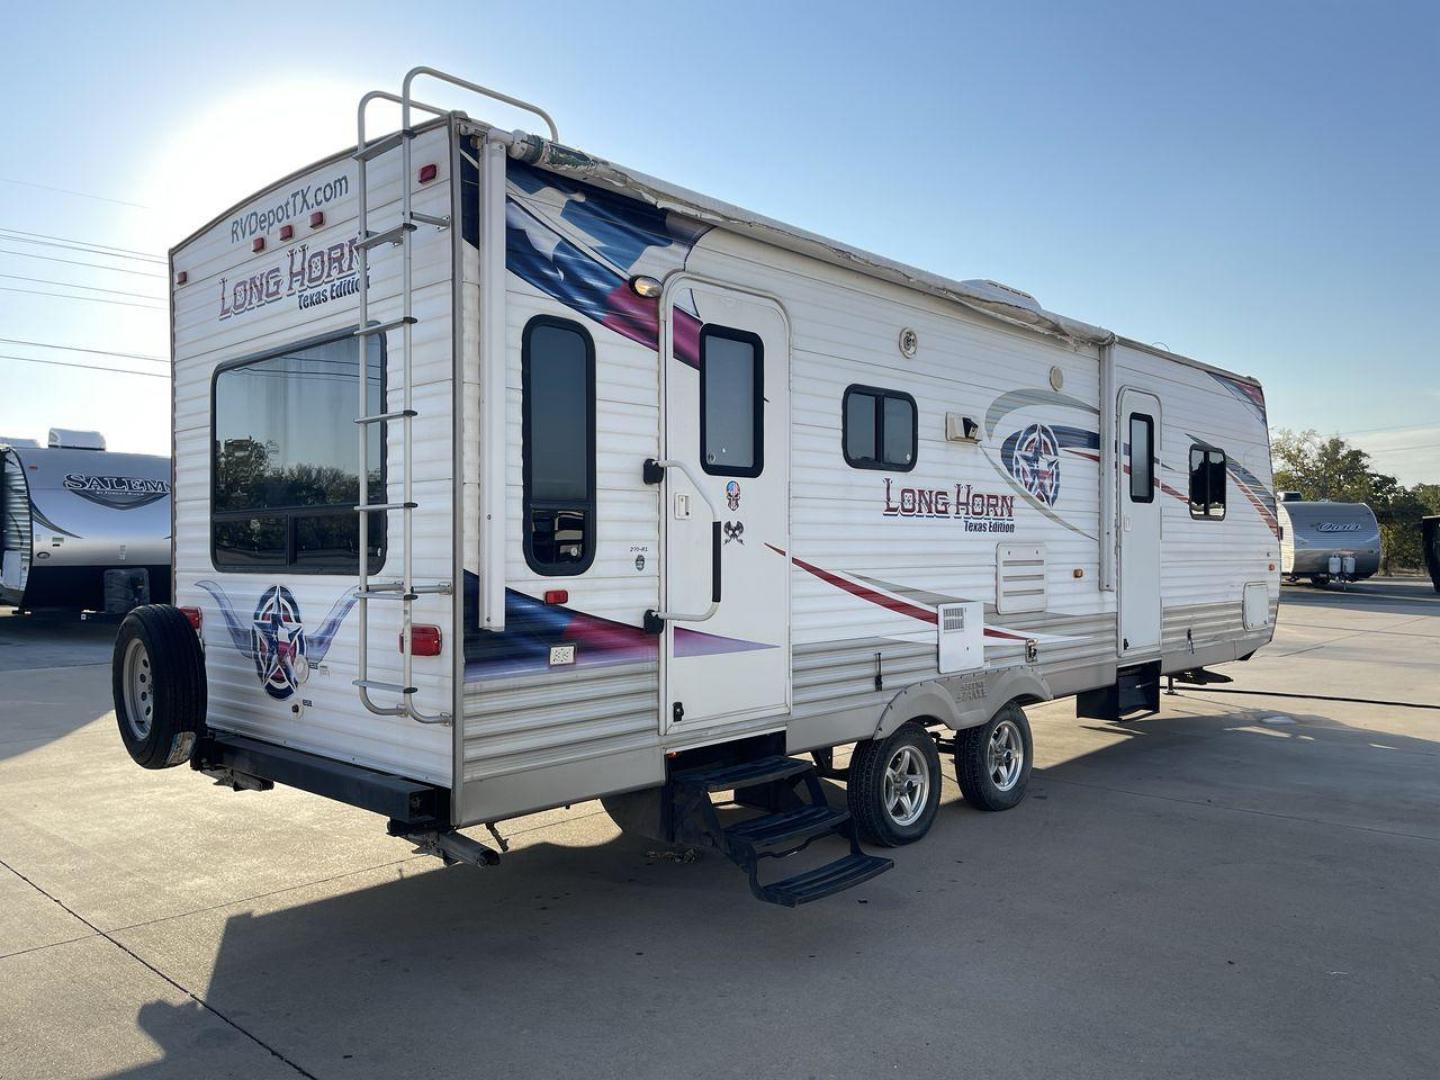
(239, 632)
(319, 642)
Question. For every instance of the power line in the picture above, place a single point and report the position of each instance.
(89, 249)
(77, 285)
(88, 299)
(84, 367)
(76, 348)
(80, 194)
(75, 262)
(89, 243)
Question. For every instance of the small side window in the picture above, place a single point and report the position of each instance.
(732, 402)
(557, 373)
(1207, 482)
(1142, 458)
(879, 429)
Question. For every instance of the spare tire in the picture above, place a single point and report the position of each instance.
(158, 678)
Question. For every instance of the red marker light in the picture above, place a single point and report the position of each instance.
(557, 596)
(424, 641)
(428, 173)
(286, 232)
(259, 244)
(317, 219)
(194, 616)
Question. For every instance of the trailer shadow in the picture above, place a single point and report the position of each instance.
(48, 665)
(612, 958)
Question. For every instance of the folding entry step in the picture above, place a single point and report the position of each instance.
(1136, 690)
(791, 825)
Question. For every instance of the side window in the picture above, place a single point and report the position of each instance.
(732, 402)
(284, 476)
(1207, 482)
(557, 373)
(879, 429)
(1142, 458)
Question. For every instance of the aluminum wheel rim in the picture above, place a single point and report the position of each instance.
(907, 785)
(1005, 755)
(139, 685)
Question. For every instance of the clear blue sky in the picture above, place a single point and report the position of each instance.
(1251, 184)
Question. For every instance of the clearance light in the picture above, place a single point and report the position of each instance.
(194, 616)
(287, 231)
(557, 596)
(646, 286)
(259, 244)
(424, 641)
(181, 278)
(317, 219)
(428, 173)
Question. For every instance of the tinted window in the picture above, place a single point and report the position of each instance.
(1142, 458)
(558, 421)
(1207, 482)
(879, 428)
(732, 405)
(285, 477)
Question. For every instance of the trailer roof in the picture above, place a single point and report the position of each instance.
(990, 298)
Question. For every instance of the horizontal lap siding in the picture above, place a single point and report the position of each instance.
(335, 724)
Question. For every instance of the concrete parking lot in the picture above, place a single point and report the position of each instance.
(1245, 885)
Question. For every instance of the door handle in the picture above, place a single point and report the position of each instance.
(654, 472)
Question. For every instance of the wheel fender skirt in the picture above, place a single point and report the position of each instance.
(935, 700)
(923, 701)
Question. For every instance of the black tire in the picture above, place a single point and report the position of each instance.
(871, 804)
(1320, 581)
(975, 770)
(162, 720)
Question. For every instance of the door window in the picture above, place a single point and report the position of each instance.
(1142, 458)
(732, 402)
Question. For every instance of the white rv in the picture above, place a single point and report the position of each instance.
(654, 495)
(82, 528)
(1327, 541)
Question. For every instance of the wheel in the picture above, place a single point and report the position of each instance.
(894, 787)
(1320, 581)
(992, 761)
(158, 678)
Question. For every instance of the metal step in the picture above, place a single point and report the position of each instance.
(386, 327)
(380, 418)
(786, 832)
(388, 687)
(747, 774)
(825, 880)
(375, 508)
(440, 221)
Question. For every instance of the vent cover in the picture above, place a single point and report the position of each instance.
(1019, 578)
(961, 630)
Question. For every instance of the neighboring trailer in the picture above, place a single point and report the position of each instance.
(1325, 540)
(83, 529)
(653, 494)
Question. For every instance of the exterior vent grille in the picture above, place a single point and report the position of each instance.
(953, 618)
(961, 633)
(1019, 578)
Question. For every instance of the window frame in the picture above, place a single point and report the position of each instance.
(291, 513)
(879, 393)
(527, 501)
(1149, 421)
(1210, 502)
(745, 337)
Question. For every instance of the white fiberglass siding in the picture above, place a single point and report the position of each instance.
(209, 330)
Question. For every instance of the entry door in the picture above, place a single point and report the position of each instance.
(726, 513)
(1139, 427)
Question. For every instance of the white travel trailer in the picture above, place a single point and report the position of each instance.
(1327, 541)
(655, 494)
(81, 527)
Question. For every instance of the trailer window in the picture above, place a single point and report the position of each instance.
(879, 429)
(732, 402)
(557, 361)
(285, 465)
(1142, 458)
(1207, 482)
